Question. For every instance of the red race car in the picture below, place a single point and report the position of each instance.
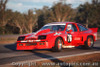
(58, 35)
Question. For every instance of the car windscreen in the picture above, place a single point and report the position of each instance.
(54, 27)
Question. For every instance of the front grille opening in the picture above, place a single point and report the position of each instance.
(20, 44)
(42, 37)
(29, 44)
(42, 43)
(21, 38)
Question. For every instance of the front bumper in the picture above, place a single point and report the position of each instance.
(26, 45)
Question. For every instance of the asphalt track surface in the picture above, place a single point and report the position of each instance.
(9, 54)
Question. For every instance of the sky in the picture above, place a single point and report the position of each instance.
(24, 5)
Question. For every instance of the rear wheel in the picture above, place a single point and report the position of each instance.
(89, 43)
(58, 45)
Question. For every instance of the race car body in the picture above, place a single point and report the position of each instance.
(58, 35)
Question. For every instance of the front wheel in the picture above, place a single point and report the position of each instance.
(89, 43)
(58, 45)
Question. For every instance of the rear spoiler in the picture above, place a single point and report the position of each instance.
(94, 29)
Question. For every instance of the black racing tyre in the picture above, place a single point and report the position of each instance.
(89, 43)
(58, 45)
(28, 50)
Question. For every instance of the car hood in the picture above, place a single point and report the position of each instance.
(36, 34)
(27, 34)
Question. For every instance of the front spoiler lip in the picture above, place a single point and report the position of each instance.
(32, 47)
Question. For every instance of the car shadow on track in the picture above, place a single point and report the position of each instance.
(96, 48)
(11, 46)
(54, 60)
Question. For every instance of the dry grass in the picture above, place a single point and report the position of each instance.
(8, 40)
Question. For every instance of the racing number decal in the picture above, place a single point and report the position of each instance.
(69, 38)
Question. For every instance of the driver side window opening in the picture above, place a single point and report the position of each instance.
(71, 27)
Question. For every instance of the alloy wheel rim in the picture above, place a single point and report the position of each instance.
(59, 44)
(90, 42)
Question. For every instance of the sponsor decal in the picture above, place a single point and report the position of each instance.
(57, 34)
(69, 38)
(31, 41)
(23, 41)
(76, 38)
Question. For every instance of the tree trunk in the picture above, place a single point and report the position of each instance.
(87, 23)
(27, 31)
(30, 28)
(3, 30)
(59, 20)
(20, 31)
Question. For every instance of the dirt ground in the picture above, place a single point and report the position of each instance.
(8, 41)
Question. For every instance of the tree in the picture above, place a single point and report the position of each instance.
(3, 19)
(95, 14)
(31, 21)
(89, 14)
(17, 21)
(83, 13)
(44, 16)
(62, 12)
(59, 12)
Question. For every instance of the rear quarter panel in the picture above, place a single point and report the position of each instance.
(87, 33)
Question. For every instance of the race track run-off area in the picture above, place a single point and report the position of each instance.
(9, 54)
